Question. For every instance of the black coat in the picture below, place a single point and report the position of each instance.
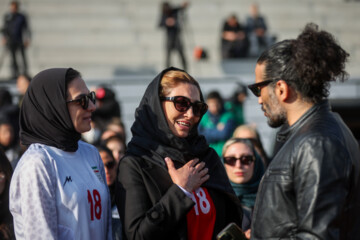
(311, 189)
(151, 206)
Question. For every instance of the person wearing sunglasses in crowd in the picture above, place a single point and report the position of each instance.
(171, 184)
(58, 189)
(245, 169)
(311, 189)
(111, 165)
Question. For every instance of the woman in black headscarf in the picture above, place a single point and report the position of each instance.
(171, 185)
(245, 169)
(58, 189)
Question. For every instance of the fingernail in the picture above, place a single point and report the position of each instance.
(166, 159)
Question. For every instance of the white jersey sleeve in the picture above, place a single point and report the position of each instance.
(33, 191)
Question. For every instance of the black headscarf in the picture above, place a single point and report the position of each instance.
(153, 140)
(44, 115)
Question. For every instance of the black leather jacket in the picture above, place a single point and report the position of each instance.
(311, 189)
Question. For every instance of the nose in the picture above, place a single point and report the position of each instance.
(91, 106)
(190, 112)
(260, 101)
(238, 163)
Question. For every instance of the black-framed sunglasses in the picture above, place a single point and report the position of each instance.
(182, 104)
(245, 160)
(84, 100)
(256, 87)
(110, 165)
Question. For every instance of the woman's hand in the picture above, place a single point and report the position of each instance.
(190, 176)
(248, 233)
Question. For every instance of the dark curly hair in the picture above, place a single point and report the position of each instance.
(308, 64)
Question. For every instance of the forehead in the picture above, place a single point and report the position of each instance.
(260, 72)
(186, 90)
(76, 87)
(238, 148)
(105, 156)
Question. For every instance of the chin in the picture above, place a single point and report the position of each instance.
(182, 134)
(84, 129)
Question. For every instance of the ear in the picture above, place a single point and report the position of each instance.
(282, 90)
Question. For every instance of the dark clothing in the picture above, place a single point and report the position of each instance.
(109, 107)
(173, 36)
(252, 24)
(151, 206)
(234, 49)
(15, 26)
(44, 115)
(311, 189)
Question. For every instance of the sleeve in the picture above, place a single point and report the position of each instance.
(5, 27)
(26, 29)
(321, 186)
(141, 217)
(34, 192)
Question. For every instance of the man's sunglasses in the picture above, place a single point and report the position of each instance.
(256, 87)
(245, 160)
(84, 100)
(109, 165)
(182, 104)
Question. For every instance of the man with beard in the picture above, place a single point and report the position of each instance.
(311, 189)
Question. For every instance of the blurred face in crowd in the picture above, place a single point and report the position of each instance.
(14, 7)
(22, 84)
(181, 123)
(81, 118)
(273, 111)
(110, 167)
(6, 134)
(214, 106)
(117, 147)
(239, 172)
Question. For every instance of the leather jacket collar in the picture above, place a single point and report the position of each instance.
(287, 130)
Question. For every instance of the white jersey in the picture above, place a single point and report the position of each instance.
(60, 195)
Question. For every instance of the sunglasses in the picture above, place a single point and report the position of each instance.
(182, 104)
(245, 160)
(84, 100)
(256, 88)
(109, 165)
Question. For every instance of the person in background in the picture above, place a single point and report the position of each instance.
(22, 84)
(117, 146)
(16, 37)
(234, 39)
(171, 184)
(218, 124)
(171, 21)
(249, 131)
(236, 103)
(6, 220)
(311, 189)
(9, 111)
(8, 142)
(107, 107)
(115, 126)
(110, 172)
(58, 189)
(245, 170)
(257, 31)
